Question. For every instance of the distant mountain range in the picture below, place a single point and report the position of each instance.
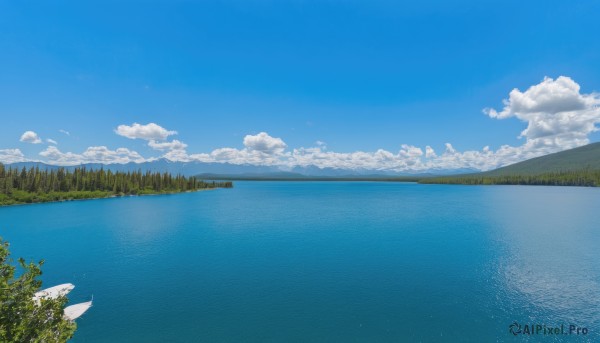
(162, 165)
(214, 170)
(587, 156)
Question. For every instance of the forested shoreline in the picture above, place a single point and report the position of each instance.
(582, 177)
(34, 185)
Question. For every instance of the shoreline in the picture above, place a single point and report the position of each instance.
(308, 179)
(107, 197)
(421, 181)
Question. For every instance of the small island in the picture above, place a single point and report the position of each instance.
(35, 185)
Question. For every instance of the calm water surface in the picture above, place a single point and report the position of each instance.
(323, 262)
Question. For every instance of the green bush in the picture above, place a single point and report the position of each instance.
(22, 320)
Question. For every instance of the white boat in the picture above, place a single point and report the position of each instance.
(70, 312)
(53, 292)
(75, 311)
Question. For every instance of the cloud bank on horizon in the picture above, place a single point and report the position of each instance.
(557, 114)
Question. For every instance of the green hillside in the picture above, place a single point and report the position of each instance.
(574, 167)
(585, 157)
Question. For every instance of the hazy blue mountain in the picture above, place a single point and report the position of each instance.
(162, 165)
(246, 170)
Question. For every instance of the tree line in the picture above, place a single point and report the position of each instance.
(583, 177)
(40, 185)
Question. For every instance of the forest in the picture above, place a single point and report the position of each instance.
(583, 177)
(33, 185)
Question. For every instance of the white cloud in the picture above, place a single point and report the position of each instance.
(260, 149)
(549, 96)
(429, 152)
(450, 149)
(51, 141)
(30, 137)
(558, 116)
(65, 132)
(264, 143)
(94, 154)
(243, 156)
(148, 132)
(55, 156)
(174, 145)
(180, 155)
(102, 154)
(410, 151)
(407, 158)
(11, 156)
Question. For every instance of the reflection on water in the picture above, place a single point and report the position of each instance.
(550, 264)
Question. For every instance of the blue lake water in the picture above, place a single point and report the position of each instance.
(323, 262)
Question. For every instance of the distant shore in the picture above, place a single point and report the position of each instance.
(584, 178)
(309, 178)
(575, 178)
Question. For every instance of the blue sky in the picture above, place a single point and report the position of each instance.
(358, 76)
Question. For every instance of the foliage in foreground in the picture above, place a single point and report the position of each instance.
(21, 320)
(583, 177)
(36, 185)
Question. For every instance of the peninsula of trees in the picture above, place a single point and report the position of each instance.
(33, 185)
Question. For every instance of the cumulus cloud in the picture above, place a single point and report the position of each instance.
(30, 137)
(557, 114)
(94, 154)
(264, 143)
(55, 156)
(260, 149)
(378, 160)
(174, 145)
(549, 96)
(410, 151)
(11, 156)
(148, 132)
(51, 141)
(450, 149)
(429, 152)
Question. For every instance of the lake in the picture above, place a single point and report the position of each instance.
(323, 262)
